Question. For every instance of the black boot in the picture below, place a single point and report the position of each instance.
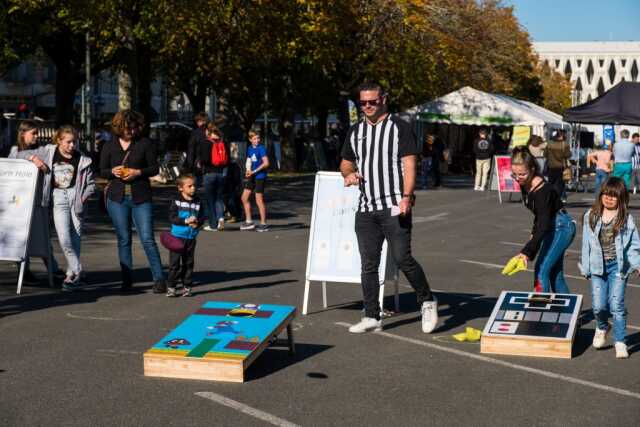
(127, 281)
(160, 287)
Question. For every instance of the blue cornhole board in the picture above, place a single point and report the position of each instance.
(219, 341)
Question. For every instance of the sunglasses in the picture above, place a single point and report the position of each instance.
(372, 102)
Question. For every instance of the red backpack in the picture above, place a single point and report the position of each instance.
(219, 156)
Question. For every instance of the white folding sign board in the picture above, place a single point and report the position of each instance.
(333, 255)
(18, 181)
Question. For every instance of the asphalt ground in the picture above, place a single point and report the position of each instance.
(76, 359)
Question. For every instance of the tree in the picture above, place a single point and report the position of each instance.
(556, 89)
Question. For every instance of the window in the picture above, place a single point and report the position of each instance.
(589, 72)
(612, 72)
(579, 84)
(634, 71)
(600, 87)
(567, 68)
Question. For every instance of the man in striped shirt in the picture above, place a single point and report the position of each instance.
(379, 155)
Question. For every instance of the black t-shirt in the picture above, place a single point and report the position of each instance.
(65, 170)
(545, 204)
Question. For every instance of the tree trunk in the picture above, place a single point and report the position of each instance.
(287, 142)
(125, 88)
(323, 115)
(67, 84)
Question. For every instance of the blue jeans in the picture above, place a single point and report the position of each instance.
(607, 294)
(213, 190)
(426, 170)
(549, 272)
(142, 214)
(601, 177)
(68, 227)
(623, 170)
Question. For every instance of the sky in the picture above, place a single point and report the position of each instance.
(579, 20)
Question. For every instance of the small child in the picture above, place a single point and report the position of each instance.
(186, 215)
(610, 252)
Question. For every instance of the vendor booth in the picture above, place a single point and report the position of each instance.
(456, 118)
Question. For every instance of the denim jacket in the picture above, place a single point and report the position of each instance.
(627, 249)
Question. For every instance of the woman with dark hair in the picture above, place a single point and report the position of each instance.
(27, 139)
(557, 154)
(553, 229)
(128, 161)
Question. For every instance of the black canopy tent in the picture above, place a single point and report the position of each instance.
(620, 105)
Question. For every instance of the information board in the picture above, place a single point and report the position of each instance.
(333, 254)
(18, 182)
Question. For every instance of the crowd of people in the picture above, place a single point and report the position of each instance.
(387, 181)
(127, 160)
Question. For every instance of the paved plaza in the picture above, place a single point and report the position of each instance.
(76, 358)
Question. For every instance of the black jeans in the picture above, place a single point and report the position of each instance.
(181, 264)
(371, 229)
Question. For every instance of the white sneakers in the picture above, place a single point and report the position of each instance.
(621, 351)
(600, 338)
(366, 324)
(429, 316)
(429, 311)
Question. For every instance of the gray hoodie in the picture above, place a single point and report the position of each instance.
(85, 185)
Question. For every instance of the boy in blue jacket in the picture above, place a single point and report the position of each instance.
(186, 215)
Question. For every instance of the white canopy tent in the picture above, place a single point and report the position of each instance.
(468, 106)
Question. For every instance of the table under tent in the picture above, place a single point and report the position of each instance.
(457, 117)
(620, 105)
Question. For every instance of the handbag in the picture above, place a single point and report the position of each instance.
(171, 242)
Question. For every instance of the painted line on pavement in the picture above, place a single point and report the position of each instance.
(511, 365)
(421, 219)
(487, 264)
(573, 251)
(241, 407)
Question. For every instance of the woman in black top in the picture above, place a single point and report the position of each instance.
(128, 161)
(553, 229)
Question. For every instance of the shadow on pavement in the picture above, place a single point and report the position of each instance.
(241, 287)
(275, 359)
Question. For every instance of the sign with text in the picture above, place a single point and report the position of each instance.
(506, 184)
(333, 254)
(520, 136)
(18, 182)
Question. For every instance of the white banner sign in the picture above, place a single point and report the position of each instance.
(18, 181)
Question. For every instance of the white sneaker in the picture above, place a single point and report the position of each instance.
(221, 224)
(600, 338)
(208, 228)
(476, 188)
(366, 324)
(429, 316)
(621, 351)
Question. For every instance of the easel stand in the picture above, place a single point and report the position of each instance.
(307, 287)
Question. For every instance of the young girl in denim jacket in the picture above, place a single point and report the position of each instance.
(610, 252)
(68, 184)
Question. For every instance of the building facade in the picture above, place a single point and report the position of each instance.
(592, 67)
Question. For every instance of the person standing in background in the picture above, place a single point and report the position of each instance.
(635, 161)
(483, 149)
(557, 154)
(537, 147)
(602, 158)
(623, 152)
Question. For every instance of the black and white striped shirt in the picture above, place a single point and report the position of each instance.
(377, 150)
